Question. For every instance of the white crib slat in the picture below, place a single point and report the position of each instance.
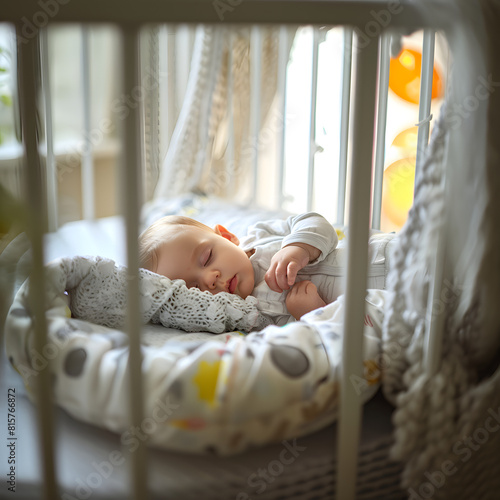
(281, 99)
(36, 223)
(183, 54)
(344, 123)
(229, 156)
(363, 118)
(171, 39)
(383, 94)
(255, 97)
(52, 211)
(434, 315)
(132, 190)
(151, 111)
(88, 192)
(424, 107)
(312, 118)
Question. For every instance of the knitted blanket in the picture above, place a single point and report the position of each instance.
(92, 282)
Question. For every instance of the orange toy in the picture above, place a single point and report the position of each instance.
(404, 77)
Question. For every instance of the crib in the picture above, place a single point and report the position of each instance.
(455, 201)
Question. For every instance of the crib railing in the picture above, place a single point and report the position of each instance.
(363, 117)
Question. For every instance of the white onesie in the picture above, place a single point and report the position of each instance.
(327, 272)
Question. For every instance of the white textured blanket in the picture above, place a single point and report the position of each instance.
(95, 282)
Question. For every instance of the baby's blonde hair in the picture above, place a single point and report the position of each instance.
(159, 232)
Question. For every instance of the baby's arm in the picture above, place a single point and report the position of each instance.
(303, 298)
(306, 239)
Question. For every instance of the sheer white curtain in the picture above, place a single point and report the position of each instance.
(212, 140)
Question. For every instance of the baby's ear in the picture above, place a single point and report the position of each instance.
(222, 231)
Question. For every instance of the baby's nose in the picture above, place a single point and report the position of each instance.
(213, 279)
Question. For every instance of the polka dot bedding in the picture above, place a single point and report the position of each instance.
(203, 393)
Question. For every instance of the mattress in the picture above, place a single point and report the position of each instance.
(104, 237)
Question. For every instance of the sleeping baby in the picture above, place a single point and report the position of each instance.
(291, 266)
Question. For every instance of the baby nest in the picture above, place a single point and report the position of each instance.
(203, 392)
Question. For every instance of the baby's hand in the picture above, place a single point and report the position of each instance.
(284, 267)
(303, 298)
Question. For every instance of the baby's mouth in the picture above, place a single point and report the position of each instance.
(233, 283)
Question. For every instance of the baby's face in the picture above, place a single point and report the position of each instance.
(205, 260)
